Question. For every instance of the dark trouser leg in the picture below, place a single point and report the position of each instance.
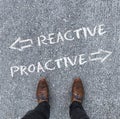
(42, 111)
(77, 111)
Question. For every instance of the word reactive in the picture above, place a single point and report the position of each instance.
(54, 38)
(84, 31)
(65, 62)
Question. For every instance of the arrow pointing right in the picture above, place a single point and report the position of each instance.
(93, 56)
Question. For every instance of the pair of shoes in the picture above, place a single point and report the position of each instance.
(42, 92)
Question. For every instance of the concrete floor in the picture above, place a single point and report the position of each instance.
(24, 58)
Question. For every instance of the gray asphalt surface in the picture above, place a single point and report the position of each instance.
(96, 59)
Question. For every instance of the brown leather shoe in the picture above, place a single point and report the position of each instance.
(77, 90)
(42, 92)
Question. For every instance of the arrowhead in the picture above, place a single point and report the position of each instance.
(105, 54)
(15, 45)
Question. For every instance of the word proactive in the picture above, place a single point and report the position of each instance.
(54, 38)
(65, 62)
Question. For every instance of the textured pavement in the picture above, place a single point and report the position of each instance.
(99, 66)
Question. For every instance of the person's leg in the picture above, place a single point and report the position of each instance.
(76, 109)
(42, 111)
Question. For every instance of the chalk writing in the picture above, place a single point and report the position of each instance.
(64, 62)
(22, 44)
(54, 38)
(71, 35)
(101, 55)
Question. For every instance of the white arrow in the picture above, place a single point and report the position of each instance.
(19, 41)
(93, 56)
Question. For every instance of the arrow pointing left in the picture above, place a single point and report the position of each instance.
(22, 44)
